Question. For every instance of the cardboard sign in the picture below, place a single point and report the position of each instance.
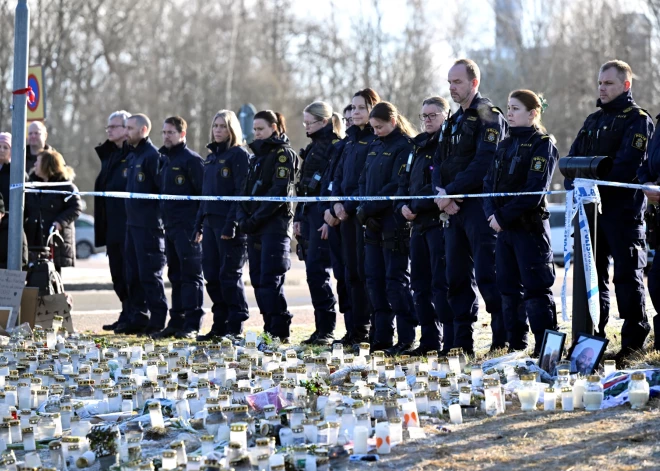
(50, 306)
(12, 283)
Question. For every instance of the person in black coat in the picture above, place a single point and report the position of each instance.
(110, 213)
(182, 174)
(4, 238)
(308, 220)
(427, 243)
(268, 224)
(223, 245)
(346, 183)
(387, 234)
(47, 212)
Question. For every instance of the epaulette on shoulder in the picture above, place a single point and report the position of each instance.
(545, 136)
(335, 141)
(642, 112)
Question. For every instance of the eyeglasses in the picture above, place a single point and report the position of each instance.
(169, 133)
(347, 120)
(306, 124)
(431, 116)
(113, 127)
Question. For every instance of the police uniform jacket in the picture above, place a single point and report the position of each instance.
(386, 162)
(142, 177)
(272, 172)
(110, 213)
(225, 169)
(649, 172)
(467, 147)
(182, 173)
(620, 130)
(524, 162)
(416, 181)
(329, 175)
(351, 163)
(316, 158)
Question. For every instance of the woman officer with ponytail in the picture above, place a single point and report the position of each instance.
(309, 223)
(387, 235)
(268, 224)
(524, 162)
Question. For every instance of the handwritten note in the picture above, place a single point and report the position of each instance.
(12, 283)
(53, 305)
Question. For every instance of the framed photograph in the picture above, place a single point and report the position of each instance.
(586, 353)
(551, 350)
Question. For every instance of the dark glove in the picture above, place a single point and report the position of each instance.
(247, 226)
(373, 225)
(361, 217)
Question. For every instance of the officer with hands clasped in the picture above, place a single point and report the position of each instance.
(268, 224)
(468, 142)
(182, 173)
(145, 239)
(524, 162)
(308, 220)
(427, 252)
(223, 245)
(387, 234)
(620, 129)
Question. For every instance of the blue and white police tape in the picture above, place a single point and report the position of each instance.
(36, 187)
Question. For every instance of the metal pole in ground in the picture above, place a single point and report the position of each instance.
(581, 319)
(18, 121)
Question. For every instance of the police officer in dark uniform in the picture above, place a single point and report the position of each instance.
(524, 162)
(268, 224)
(110, 213)
(333, 223)
(621, 130)
(145, 240)
(182, 173)
(387, 235)
(223, 245)
(308, 221)
(649, 174)
(468, 143)
(346, 183)
(427, 244)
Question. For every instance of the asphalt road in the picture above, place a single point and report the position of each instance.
(92, 308)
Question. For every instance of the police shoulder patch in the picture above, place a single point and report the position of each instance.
(140, 177)
(282, 172)
(180, 179)
(539, 164)
(282, 158)
(491, 135)
(639, 142)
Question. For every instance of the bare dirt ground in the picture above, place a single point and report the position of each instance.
(611, 439)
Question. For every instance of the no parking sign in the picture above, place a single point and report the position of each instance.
(36, 111)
